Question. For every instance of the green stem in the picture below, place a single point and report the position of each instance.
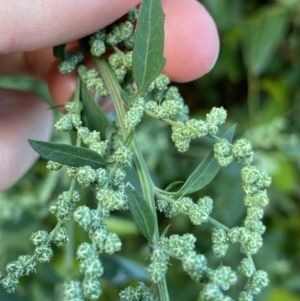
(139, 162)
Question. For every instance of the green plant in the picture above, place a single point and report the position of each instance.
(102, 152)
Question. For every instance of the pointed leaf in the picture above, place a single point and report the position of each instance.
(205, 172)
(141, 213)
(27, 84)
(148, 59)
(67, 154)
(92, 115)
(125, 97)
(172, 185)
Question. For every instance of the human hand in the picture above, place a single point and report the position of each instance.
(28, 31)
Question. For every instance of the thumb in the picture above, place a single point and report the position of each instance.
(34, 24)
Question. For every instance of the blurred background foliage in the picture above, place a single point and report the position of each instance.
(257, 80)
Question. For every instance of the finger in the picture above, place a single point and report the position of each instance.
(22, 117)
(191, 40)
(191, 46)
(34, 24)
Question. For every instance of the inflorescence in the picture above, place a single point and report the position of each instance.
(164, 103)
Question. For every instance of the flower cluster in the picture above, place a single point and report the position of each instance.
(24, 265)
(184, 132)
(241, 151)
(91, 267)
(139, 293)
(197, 212)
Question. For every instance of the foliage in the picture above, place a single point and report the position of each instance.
(256, 75)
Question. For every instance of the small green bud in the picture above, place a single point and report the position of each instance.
(73, 107)
(15, 269)
(120, 74)
(101, 87)
(102, 177)
(62, 210)
(91, 288)
(85, 250)
(64, 124)
(220, 249)
(245, 296)
(157, 270)
(28, 264)
(72, 291)
(194, 264)
(99, 147)
(132, 15)
(260, 199)
(258, 281)
(242, 151)
(197, 215)
(185, 204)
(10, 284)
(82, 215)
(223, 277)
(255, 212)
(159, 255)
(211, 292)
(86, 176)
(172, 107)
(112, 243)
(219, 235)
(91, 267)
(98, 48)
(61, 237)
(99, 237)
(39, 237)
(118, 177)
(53, 165)
(246, 268)
(123, 156)
(43, 253)
(222, 152)
(216, 116)
(112, 200)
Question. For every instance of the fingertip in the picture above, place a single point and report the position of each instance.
(191, 40)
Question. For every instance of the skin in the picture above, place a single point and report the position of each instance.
(28, 31)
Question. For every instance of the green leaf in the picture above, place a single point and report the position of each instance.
(92, 115)
(125, 97)
(172, 185)
(205, 172)
(141, 213)
(67, 154)
(27, 84)
(59, 51)
(262, 36)
(148, 59)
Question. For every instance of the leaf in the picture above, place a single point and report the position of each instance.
(141, 213)
(148, 59)
(27, 84)
(172, 185)
(205, 172)
(118, 270)
(92, 115)
(262, 37)
(59, 51)
(125, 97)
(67, 154)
